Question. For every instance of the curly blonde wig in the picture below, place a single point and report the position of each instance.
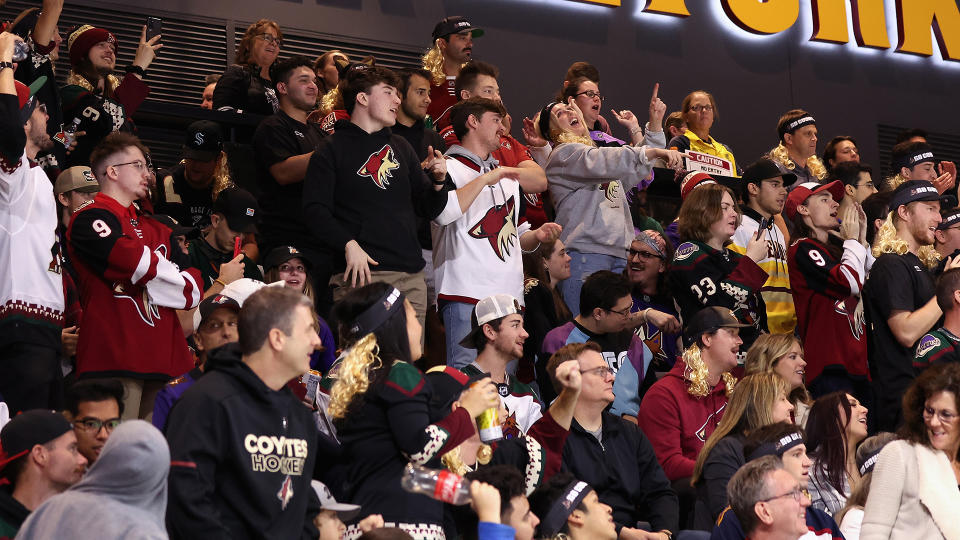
(780, 155)
(887, 241)
(893, 181)
(353, 374)
(453, 460)
(331, 101)
(697, 373)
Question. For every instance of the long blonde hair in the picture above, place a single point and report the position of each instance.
(353, 374)
(750, 407)
(764, 355)
(221, 175)
(697, 373)
(887, 241)
(780, 155)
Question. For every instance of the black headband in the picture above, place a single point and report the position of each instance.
(562, 508)
(790, 127)
(377, 314)
(544, 121)
(778, 447)
(912, 160)
(870, 462)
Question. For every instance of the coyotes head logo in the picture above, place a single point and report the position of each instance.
(611, 190)
(379, 167)
(498, 226)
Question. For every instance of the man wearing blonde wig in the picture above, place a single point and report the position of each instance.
(899, 295)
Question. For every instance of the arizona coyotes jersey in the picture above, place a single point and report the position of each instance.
(826, 295)
(477, 254)
(130, 292)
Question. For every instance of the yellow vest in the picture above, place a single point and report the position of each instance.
(714, 148)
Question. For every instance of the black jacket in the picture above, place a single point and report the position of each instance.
(718, 468)
(624, 472)
(369, 187)
(12, 513)
(242, 457)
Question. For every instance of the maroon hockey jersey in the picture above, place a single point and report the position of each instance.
(826, 294)
(129, 291)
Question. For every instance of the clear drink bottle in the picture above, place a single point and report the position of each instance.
(437, 484)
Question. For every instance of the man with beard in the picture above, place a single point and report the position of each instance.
(452, 48)
(899, 295)
(31, 294)
(764, 193)
(94, 96)
(656, 319)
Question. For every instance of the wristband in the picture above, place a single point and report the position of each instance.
(221, 282)
(6, 65)
(136, 70)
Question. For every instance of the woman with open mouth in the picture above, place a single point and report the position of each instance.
(836, 426)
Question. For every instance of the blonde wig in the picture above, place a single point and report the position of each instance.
(453, 460)
(887, 241)
(750, 407)
(764, 354)
(221, 175)
(353, 374)
(780, 155)
(697, 373)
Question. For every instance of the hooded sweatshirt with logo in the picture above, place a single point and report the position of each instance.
(242, 457)
(588, 185)
(369, 187)
(123, 495)
(477, 253)
(677, 422)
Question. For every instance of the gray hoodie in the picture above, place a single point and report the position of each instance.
(588, 185)
(122, 496)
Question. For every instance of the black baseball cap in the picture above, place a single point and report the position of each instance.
(709, 319)
(454, 24)
(215, 302)
(765, 169)
(913, 191)
(239, 207)
(282, 254)
(176, 227)
(24, 431)
(203, 141)
(447, 383)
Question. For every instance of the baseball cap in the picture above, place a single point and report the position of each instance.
(801, 193)
(238, 290)
(913, 191)
(344, 511)
(918, 154)
(176, 227)
(454, 24)
(25, 96)
(709, 319)
(489, 309)
(77, 178)
(24, 431)
(213, 303)
(239, 207)
(282, 254)
(692, 180)
(447, 383)
(950, 219)
(765, 169)
(203, 141)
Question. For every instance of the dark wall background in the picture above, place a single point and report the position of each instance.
(754, 78)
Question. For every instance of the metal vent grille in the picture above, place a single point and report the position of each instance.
(945, 147)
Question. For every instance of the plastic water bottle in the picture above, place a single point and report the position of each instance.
(69, 133)
(440, 485)
(21, 51)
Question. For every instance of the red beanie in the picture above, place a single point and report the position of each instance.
(84, 38)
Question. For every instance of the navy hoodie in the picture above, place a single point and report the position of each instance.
(242, 457)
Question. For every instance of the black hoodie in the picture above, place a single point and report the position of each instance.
(242, 457)
(369, 187)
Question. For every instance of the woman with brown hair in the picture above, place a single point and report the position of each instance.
(706, 273)
(782, 354)
(836, 426)
(914, 492)
(758, 400)
(699, 110)
(246, 86)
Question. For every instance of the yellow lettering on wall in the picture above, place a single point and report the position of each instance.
(829, 20)
(870, 24)
(916, 17)
(668, 7)
(613, 3)
(758, 17)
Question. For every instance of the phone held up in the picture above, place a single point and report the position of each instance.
(154, 27)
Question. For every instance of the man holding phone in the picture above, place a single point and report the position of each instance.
(234, 212)
(764, 193)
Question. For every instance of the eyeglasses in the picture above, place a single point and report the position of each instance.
(140, 166)
(291, 269)
(625, 312)
(796, 493)
(946, 417)
(590, 94)
(216, 326)
(631, 253)
(42, 107)
(271, 39)
(704, 108)
(93, 425)
(866, 184)
(600, 371)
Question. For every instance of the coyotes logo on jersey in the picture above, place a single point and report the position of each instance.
(379, 167)
(852, 309)
(498, 226)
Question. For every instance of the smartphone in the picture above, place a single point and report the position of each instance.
(154, 27)
(236, 246)
(765, 223)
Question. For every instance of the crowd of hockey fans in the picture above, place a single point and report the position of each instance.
(430, 317)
